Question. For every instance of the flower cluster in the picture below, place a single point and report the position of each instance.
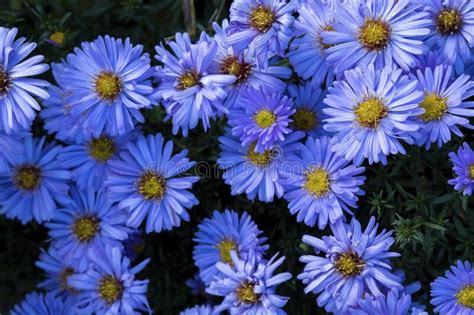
(309, 91)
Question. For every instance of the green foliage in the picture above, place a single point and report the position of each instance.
(433, 225)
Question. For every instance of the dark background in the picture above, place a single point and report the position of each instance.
(433, 225)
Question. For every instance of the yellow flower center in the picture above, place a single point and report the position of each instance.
(102, 149)
(435, 107)
(317, 182)
(374, 34)
(262, 18)
(324, 46)
(471, 171)
(304, 119)
(86, 228)
(151, 186)
(370, 112)
(188, 80)
(232, 65)
(108, 85)
(4, 81)
(245, 293)
(265, 118)
(28, 177)
(110, 289)
(465, 296)
(448, 22)
(349, 264)
(259, 159)
(57, 37)
(225, 247)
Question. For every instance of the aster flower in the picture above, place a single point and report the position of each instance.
(16, 87)
(255, 174)
(89, 221)
(394, 303)
(11, 146)
(323, 185)
(198, 310)
(261, 25)
(189, 88)
(34, 183)
(108, 82)
(355, 263)
(221, 234)
(308, 51)
(463, 167)
(261, 117)
(308, 105)
(249, 286)
(380, 32)
(57, 111)
(452, 28)
(454, 293)
(145, 182)
(89, 160)
(243, 65)
(444, 105)
(109, 286)
(40, 304)
(57, 271)
(370, 113)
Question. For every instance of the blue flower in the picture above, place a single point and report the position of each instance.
(262, 117)
(145, 182)
(380, 32)
(89, 160)
(369, 112)
(108, 82)
(249, 286)
(48, 304)
(190, 86)
(443, 104)
(355, 263)
(308, 105)
(198, 310)
(243, 65)
(57, 111)
(463, 167)
(223, 233)
(34, 183)
(322, 185)
(109, 285)
(89, 221)
(57, 272)
(394, 303)
(454, 293)
(11, 146)
(452, 28)
(308, 51)
(264, 26)
(16, 88)
(255, 174)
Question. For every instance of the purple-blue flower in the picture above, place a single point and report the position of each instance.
(463, 167)
(148, 182)
(453, 294)
(322, 185)
(44, 304)
(191, 88)
(35, 182)
(89, 222)
(385, 33)
(107, 82)
(109, 285)
(17, 89)
(369, 112)
(353, 263)
(218, 236)
(445, 105)
(198, 310)
(255, 174)
(11, 146)
(249, 286)
(261, 117)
